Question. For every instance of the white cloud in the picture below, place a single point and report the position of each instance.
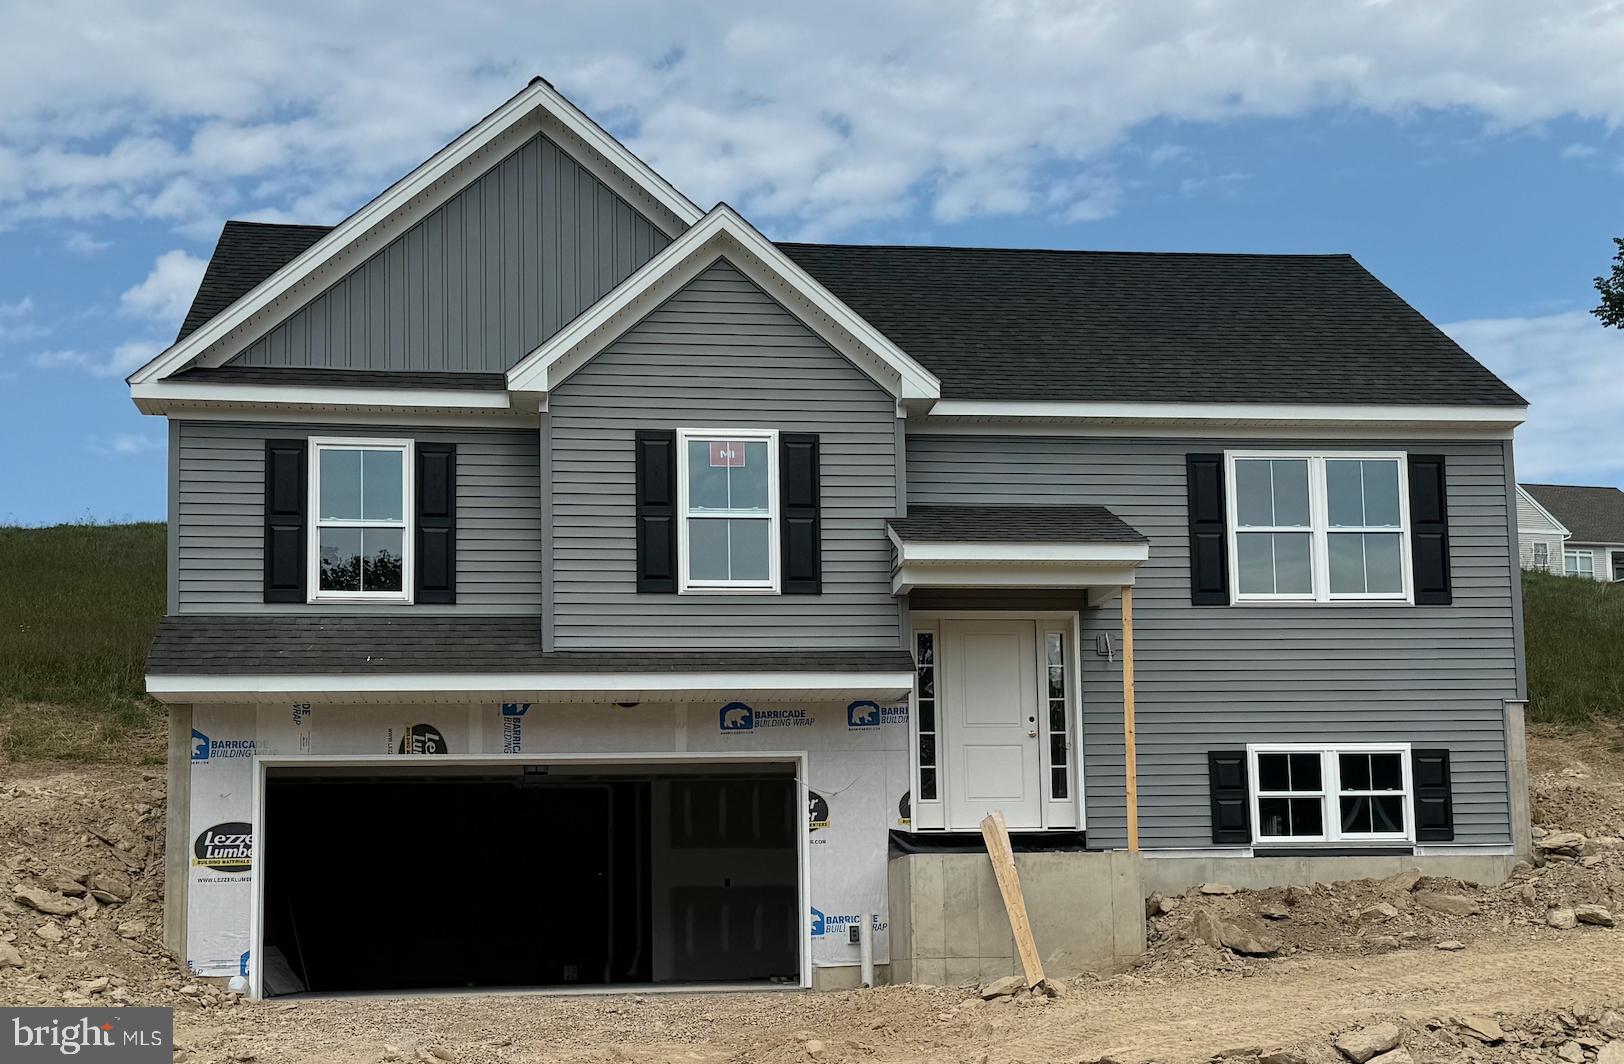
(120, 362)
(168, 289)
(814, 118)
(79, 242)
(1570, 368)
(1579, 151)
(17, 322)
(123, 443)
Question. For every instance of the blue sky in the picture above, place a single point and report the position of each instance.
(1465, 153)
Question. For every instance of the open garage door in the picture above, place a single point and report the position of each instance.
(422, 877)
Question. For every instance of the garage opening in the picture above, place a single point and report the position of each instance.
(529, 876)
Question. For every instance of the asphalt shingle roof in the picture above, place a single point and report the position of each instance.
(291, 644)
(1013, 524)
(1102, 326)
(1591, 514)
(247, 253)
(1109, 326)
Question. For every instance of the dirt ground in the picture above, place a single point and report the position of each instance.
(1467, 973)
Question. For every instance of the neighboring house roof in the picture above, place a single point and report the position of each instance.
(1092, 325)
(1591, 514)
(1534, 519)
(1013, 524)
(213, 644)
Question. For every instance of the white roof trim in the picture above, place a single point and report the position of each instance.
(1227, 414)
(1557, 527)
(598, 686)
(172, 397)
(538, 96)
(940, 563)
(723, 233)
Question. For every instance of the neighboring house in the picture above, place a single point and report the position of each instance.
(1540, 536)
(569, 585)
(1593, 521)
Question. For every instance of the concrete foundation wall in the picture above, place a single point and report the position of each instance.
(1173, 875)
(949, 925)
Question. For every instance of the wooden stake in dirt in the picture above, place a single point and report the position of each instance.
(996, 834)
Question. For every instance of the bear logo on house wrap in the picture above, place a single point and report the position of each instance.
(863, 714)
(736, 716)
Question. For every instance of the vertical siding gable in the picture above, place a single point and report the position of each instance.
(219, 517)
(1219, 677)
(481, 281)
(721, 352)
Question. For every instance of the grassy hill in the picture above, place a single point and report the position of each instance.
(77, 608)
(78, 604)
(1575, 647)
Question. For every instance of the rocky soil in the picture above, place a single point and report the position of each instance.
(1409, 968)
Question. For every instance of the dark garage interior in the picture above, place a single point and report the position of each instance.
(529, 876)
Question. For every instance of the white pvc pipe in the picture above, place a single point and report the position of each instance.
(865, 946)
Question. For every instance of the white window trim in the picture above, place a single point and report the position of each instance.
(1330, 792)
(1578, 555)
(1319, 530)
(317, 444)
(1540, 555)
(686, 585)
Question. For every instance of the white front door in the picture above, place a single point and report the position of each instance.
(990, 701)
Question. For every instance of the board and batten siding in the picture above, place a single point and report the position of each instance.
(221, 518)
(1217, 677)
(719, 353)
(481, 281)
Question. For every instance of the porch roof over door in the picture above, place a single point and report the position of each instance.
(1014, 547)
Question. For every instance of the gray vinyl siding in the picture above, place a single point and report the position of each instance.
(1220, 677)
(720, 353)
(481, 281)
(220, 517)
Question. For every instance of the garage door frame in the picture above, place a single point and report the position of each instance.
(796, 759)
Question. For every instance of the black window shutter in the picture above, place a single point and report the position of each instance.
(1434, 801)
(1429, 530)
(1209, 538)
(656, 511)
(1231, 801)
(801, 530)
(436, 562)
(286, 499)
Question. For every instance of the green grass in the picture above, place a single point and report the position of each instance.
(77, 607)
(1575, 647)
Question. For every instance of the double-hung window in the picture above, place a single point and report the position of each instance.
(727, 491)
(360, 494)
(1355, 792)
(1542, 556)
(1318, 527)
(1579, 563)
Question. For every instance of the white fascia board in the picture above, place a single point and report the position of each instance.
(1557, 527)
(939, 553)
(323, 397)
(721, 231)
(949, 411)
(442, 165)
(1033, 576)
(617, 686)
